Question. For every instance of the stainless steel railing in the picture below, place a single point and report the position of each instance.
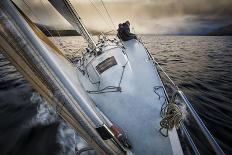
(215, 146)
(176, 92)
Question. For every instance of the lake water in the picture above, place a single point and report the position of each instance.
(201, 66)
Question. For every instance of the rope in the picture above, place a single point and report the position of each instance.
(57, 32)
(108, 14)
(45, 8)
(99, 12)
(105, 90)
(84, 150)
(109, 88)
(172, 117)
(53, 76)
(38, 72)
(26, 3)
(156, 88)
(123, 70)
(86, 35)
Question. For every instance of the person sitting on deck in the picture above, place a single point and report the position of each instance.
(124, 32)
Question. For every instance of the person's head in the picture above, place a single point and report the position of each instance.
(127, 23)
(120, 25)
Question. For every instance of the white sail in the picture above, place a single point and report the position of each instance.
(48, 72)
(65, 8)
(119, 100)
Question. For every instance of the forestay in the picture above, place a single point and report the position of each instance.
(65, 8)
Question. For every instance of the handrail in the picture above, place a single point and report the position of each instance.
(202, 126)
(196, 117)
(189, 138)
(158, 65)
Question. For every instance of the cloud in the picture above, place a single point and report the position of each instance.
(147, 16)
(189, 7)
(170, 16)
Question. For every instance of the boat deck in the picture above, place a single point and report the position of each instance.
(137, 108)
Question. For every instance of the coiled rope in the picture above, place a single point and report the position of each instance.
(172, 117)
(84, 150)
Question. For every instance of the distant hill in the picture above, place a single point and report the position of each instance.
(60, 33)
(222, 31)
(51, 32)
(48, 31)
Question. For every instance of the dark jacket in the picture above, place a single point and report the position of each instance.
(124, 32)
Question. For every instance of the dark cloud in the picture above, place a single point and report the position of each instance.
(147, 16)
(220, 8)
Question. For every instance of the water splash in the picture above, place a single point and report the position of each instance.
(183, 109)
(46, 114)
(66, 138)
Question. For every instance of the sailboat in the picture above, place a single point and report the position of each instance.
(115, 96)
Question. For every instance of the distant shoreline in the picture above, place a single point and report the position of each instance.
(222, 31)
(56, 33)
(63, 33)
(69, 33)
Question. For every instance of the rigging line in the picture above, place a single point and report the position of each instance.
(53, 38)
(41, 1)
(83, 31)
(63, 88)
(99, 12)
(74, 15)
(108, 14)
(53, 76)
(110, 88)
(36, 17)
(59, 36)
(36, 71)
(59, 82)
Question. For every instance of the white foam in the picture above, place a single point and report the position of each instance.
(46, 114)
(68, 139)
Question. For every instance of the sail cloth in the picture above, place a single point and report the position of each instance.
(38, 32)
(65, 8)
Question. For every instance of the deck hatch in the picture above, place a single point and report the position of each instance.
(106, 64)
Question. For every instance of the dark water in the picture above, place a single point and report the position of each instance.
(200, 66)
(28, 125)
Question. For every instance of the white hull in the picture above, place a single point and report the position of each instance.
(136, 109)
(114, 87)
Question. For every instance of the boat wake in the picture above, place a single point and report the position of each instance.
(46, 114)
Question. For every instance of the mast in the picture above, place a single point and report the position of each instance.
(41, 66)
(65, 8)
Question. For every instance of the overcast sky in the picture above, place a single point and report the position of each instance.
(146, 16)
